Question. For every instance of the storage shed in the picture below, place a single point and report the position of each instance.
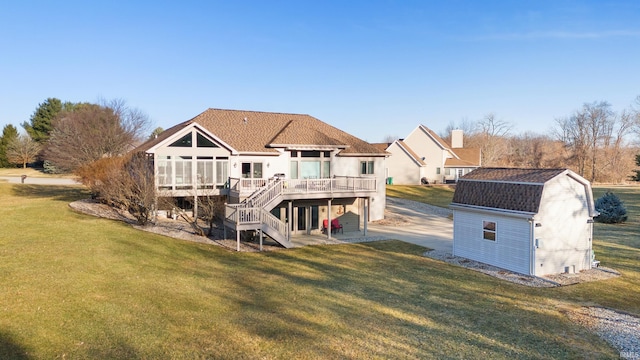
(531, 221)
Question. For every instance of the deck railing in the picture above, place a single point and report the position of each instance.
(292, 186)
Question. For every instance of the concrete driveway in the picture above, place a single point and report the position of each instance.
(416, 223)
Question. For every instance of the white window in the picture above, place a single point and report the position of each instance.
(222, 172)
(205, 172)
(489, 230)
(183, 172)
(164, 171)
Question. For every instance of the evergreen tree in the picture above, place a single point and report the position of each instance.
(9, 133)
(611, 209)
(39, 126)
(636, 177)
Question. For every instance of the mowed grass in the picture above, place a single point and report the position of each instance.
(439, 195)
(30, 172)
(74, 286)
(617, 246)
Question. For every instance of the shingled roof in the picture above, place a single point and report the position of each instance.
(504, 188)
(260, 132)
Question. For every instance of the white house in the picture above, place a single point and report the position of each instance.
(531, 221)
(423, 157)
(282, 174)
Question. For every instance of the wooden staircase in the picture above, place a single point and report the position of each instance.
(254, 213)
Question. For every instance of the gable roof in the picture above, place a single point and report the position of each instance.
(504, 188)
(437, 139)
(461, 157)
(261, 132)
(465, 158)
(412, 154)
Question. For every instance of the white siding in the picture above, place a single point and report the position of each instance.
(423, 145)
(510, 250)
(402, 168)
(350, 166)
(564, 233)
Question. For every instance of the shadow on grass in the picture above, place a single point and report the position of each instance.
(66, 193)
(383, 302)
(10, 349)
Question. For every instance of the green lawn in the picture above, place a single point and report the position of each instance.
(30, 172)
(435, 195)
(74, 286)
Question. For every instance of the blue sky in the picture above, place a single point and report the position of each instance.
(371, 68)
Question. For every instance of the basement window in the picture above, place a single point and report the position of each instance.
(489, 230)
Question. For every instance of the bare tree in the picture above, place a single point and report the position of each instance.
(635, 115)
(493, 133)
(596, 138)
(210, 208)
(573, 133)
(91, 132)
(469, 129)
(390, 138)
(123, 182)
(22, 150)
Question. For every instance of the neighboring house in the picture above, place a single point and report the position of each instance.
(423, 157)
(531, 221)
(282, 173)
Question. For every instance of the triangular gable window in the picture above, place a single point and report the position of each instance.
(184, 141)
(204, 142)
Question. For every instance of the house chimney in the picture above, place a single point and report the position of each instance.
(456, 138)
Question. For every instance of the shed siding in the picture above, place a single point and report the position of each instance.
(510, 250)
(564, 233)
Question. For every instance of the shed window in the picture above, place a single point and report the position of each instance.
(489, 230)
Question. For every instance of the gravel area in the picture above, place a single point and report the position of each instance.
(595, 274)
(622, 331)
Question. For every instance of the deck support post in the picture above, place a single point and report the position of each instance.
(329, 219)
(289, 222)
(366, 215)
(237, 240)
(260, 239)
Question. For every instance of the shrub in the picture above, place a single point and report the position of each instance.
(611, 209)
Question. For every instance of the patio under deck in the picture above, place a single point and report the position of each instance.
(299, 240)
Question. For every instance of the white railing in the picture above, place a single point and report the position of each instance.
(289, 186)
(262, 197)
(246, 185)
(242, 215)
(271, 221)
(337, 184)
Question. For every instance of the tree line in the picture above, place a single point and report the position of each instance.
(64, 135)
(95, 143)
(595, 141)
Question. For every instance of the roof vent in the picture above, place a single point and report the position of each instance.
(245, 121)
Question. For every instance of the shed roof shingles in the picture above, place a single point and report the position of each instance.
(504, 188)
(538, 176)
